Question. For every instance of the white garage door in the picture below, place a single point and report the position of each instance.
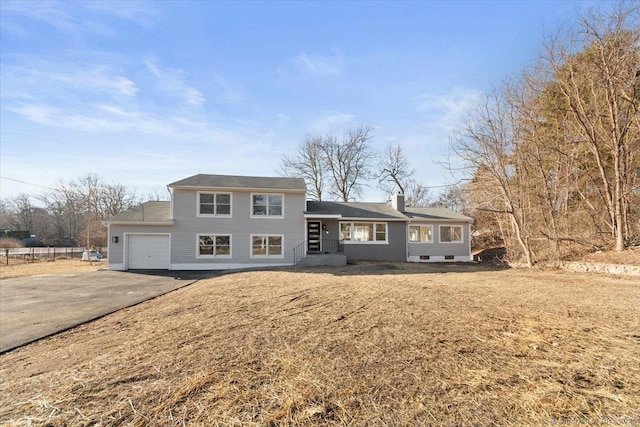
(148, 251)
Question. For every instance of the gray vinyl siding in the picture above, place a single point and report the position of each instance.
(394, 250)
(240, 226)
(438, 248)
(116, 250)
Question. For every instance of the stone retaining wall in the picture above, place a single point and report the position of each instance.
(587, 267)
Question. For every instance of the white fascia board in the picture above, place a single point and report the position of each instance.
(356, 219)
(139, 223)
(440, 220)
(323, 216)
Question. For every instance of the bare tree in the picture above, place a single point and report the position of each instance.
(489, 146)
(417, 195)
(158, 194)
(115, 198)
(348, 161)
(394, 172)
(23, 209)
(8, 217)
(308, 163)
(453, 197)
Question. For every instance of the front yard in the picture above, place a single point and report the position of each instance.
(370, 344)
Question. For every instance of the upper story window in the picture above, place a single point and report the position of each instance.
(420, 233)
(451, 233)
(374, 232)
(214, 204)
(267, 205)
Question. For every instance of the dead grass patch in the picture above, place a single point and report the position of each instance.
(371, 344)
(630, 256)
(25, 269)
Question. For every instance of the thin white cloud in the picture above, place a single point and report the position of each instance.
(116, 111)
(331, 122)
(171, 82)
(77, 18)
(444, 111)
(138, 12)
(125, 86)
(283, 119)
(89, 120)
(319, 64)
(109, 119)
(58, 80)
(228, 92)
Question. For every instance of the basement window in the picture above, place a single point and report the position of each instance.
(424, 257)
(449, 257)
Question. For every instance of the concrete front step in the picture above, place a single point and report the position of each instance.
(313, 260)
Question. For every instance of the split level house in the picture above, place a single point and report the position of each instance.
(224, 222)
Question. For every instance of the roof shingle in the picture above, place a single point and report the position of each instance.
(381, 211)
(249, 182)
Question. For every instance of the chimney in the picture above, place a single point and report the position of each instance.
(397, 202)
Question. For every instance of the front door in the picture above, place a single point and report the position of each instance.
(314, 243)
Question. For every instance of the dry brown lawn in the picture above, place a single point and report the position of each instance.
(630, 256)
(365, 345)
(24, 269)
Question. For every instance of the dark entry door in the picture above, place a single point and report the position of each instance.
(313, 236)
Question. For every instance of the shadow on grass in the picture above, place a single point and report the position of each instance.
(357, 268)
(365, 268)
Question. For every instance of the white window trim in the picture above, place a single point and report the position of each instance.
(214, 256)
(201, 215)
(457, 242)
(371, 242)
(417, 242)
(265, 216)
(251, 255)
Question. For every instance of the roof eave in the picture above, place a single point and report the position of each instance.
(322, 216)
(441, 219)
(347, 218)
(217, 188)
(139, 222)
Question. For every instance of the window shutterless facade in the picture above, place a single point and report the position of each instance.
(451, 234)
(421, 233)
(214, 204)
(266, 246)
(267, 205)
(214, 245)
(363, 232)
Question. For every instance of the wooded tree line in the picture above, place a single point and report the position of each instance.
(69, 213)
(554, 152)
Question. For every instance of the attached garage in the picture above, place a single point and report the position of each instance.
(148, 251)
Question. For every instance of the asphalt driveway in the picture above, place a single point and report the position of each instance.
(38, 306)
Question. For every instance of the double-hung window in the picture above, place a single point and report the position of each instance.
(267, 205)
(266, 246)
(421, 233)
(214, 204)
(214, 245)
(451, 233)
(371, 232)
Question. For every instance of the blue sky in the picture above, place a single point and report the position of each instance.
(147, 93)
